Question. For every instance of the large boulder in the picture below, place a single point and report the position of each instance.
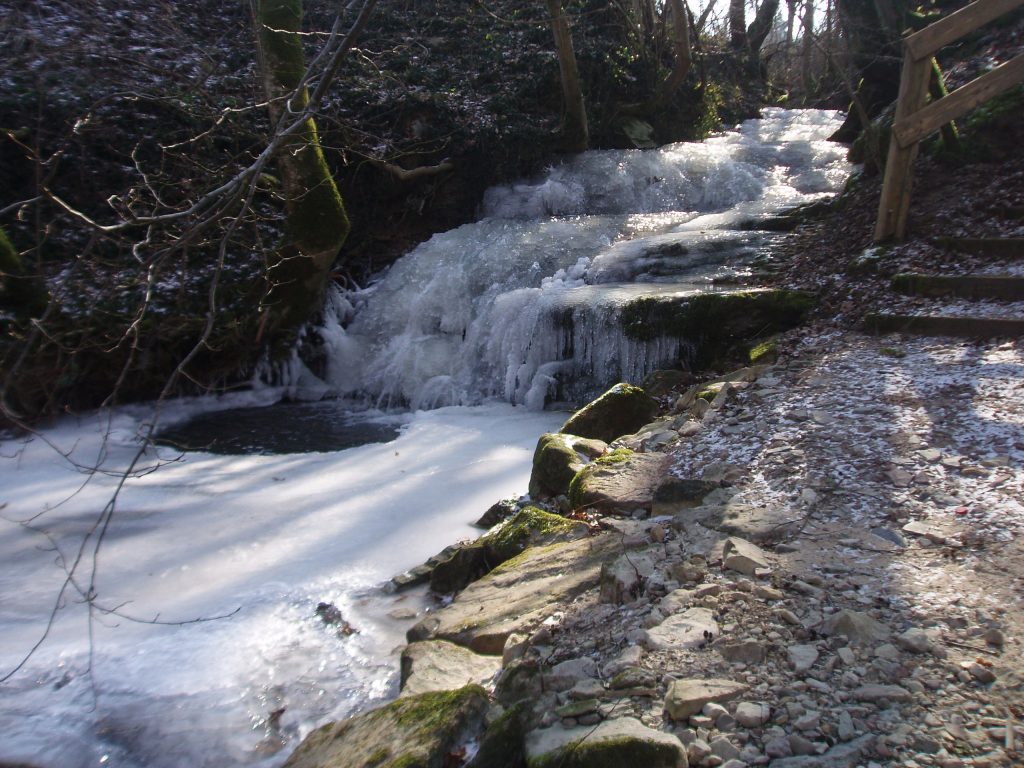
(529, 527)
(622, 481)
(688, 697)
(622, 410)
(412, 732)
(624, 741)
(557, 459)
(518, 595)
(437, 665)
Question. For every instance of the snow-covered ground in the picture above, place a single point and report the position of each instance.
(260, 539)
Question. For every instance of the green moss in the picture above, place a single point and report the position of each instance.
(378, 756)
(766, 351)
(429, 712)
(617, 456)
(502, 744)
(10, 261)
(317, 221)
(528, 526)
(715, 322)
(610, 753)
(621, 410)
(576, 487)
(710, 391)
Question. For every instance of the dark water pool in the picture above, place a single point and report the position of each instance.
(282, 428)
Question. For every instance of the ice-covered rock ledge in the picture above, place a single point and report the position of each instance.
(825, 572)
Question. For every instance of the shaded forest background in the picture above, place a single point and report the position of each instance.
(117, 117)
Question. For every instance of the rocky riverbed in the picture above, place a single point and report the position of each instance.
(812, 562)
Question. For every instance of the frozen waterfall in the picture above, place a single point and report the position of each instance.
(524, 304)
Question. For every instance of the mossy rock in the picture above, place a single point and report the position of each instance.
(412, 732)
(716, 323)
(529, 527)
(612, 744)
(622, 481)
(503, 743)
(557, 459)
(622, 410)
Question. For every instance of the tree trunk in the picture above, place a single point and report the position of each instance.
(738, 24)
(574, 126)
(316, 217)
(790, 18)
(872, 31)
(761, 26)
(683, 53)
(808, 50)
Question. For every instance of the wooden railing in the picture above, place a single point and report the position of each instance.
(915, 119)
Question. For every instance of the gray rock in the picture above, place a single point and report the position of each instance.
(621, 484)
(690, 629)
(914, 640)
(622, 741)
(714, 710)
(778, 746)
(697, 750)
(630, 657)
(808, 722)
(518, 595)
(891, 536)
(875, 693)
(761, 525)
(565, 675)
(858, 628)
(802, 657)
(979, 672)
(724, 748)
(752, 714)
(622, 579)
(846, 755)
(846, 656)
(744, 651)
(768, 593)
(556, 460)
(845, 727)
(743, 557)
(801, 745)
(437, 665)
(688, 697)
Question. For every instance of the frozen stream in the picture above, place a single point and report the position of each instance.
(266, 536)
(522, 307)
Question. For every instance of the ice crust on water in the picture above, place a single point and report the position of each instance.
(524, 305)
(206, 535)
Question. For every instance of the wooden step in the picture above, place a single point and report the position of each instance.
(944, 325)
(999, 247)
(1005, 287)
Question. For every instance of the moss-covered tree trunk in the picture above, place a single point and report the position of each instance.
(316, 217)
(574, 128)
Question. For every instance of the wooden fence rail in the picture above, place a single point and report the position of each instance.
(915, 118)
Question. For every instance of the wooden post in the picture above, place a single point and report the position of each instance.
(895, 201)
(914, 121)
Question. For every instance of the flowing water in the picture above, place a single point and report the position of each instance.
(520, 309)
